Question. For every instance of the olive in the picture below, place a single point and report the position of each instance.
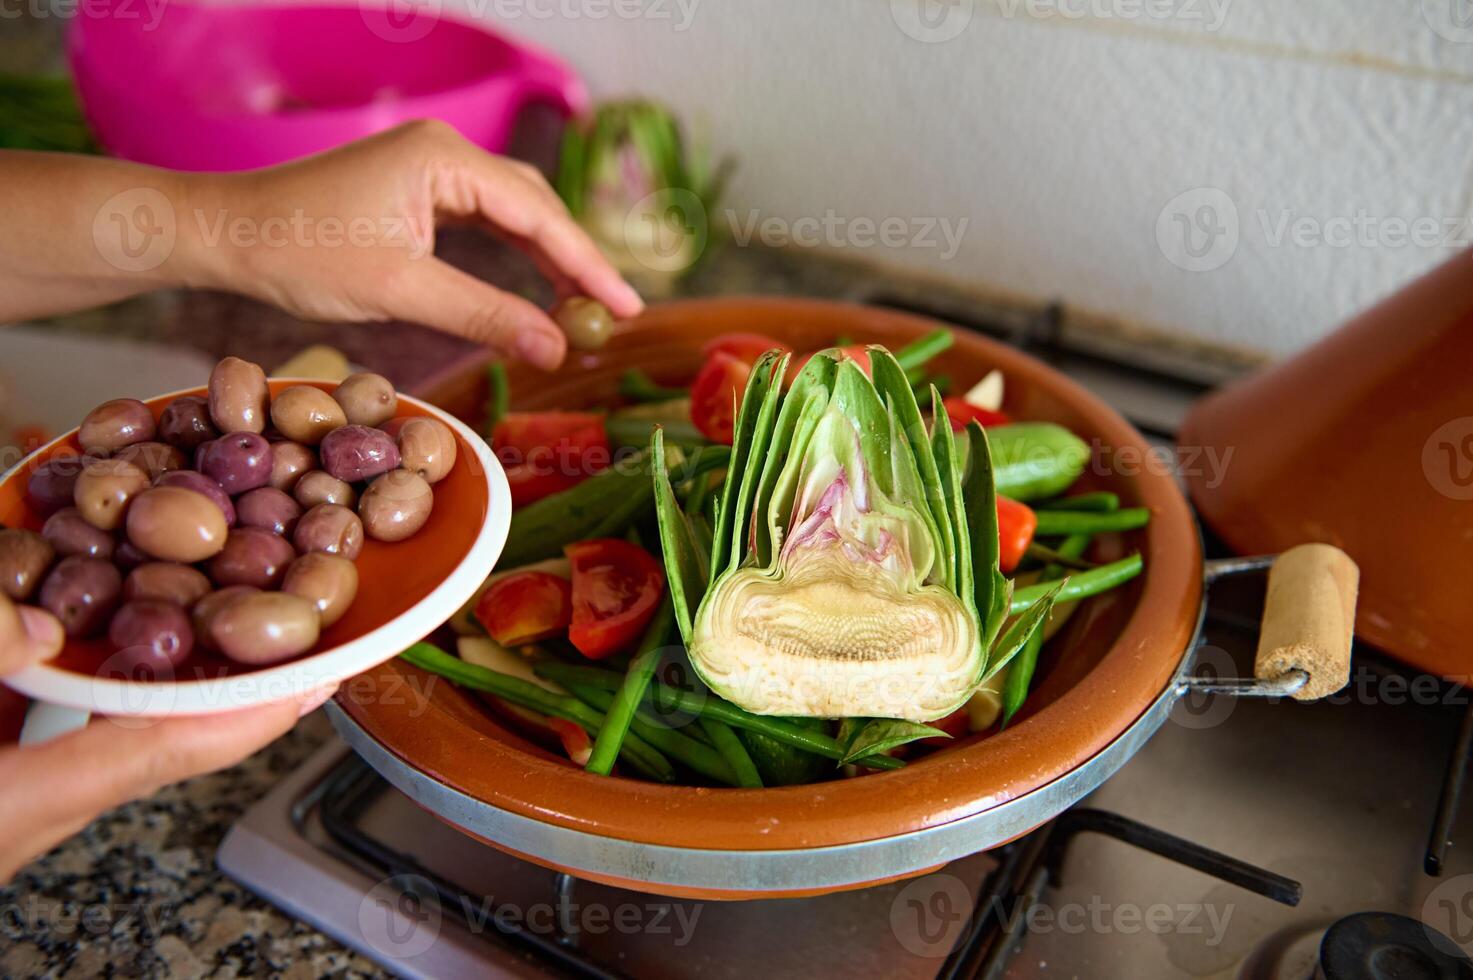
(185, 423)
(426, 447)
(50, 485)
(318, 487)
(152, 636)
(367, 399)
(70, 534)
(331, 528)
(239, 396)
(175, 524)
(154, 458)
(289, 460)
(180, 584)
(587, 322)
(104, 488)
(115, 424)
(356, 452)
(239, 461)
(252, 556)
(329, 582)
(265, 627)
(208, 607)
(395, 506)
(24, 558)
(128, 556)
(82, 593)
(199, 483)
(269, 508)
(305, 414)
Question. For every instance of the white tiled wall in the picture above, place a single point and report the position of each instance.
(1300, 133)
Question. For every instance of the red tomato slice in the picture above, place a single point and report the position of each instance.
(617, 587)
(1016, 523)
(548, 452)
(525, 607)
(715, 393)
(743, 346)
(961, 413)
(575, 740)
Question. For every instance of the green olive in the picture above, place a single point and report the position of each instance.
(587, 322)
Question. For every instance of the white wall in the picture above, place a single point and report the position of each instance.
(1060, 130)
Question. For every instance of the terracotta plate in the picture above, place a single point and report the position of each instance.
(1111, 663)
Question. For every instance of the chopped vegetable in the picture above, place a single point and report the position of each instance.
(1056, 522)
(637, 386)
(574, 738)
(1032, 460)
(987, 393)
(629, 695)
(962, 412)
(548, 452)
(1015, 527)
(714, 394)
(526, 607)
(617, 588)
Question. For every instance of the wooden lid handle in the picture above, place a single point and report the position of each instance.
(1309, 619)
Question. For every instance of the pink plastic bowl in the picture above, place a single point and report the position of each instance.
(230, 87)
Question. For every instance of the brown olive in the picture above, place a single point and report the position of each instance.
(70, 534)
(154, 458)
(82, 593)
(252, 556)
(24, 558)
(185, 423)
(175, 524)
(270, 508)
(318, 487)
(115, 424)
(367, 399)
(128, 556)
(207, 608)
(330, 528)
(167, 580)
(50, 485)
(266, 627)
(426, 447)
(329, 582)
(587, 322)
(395, 505)
(305, 414)
(104, 488)
(239, 396)
(289, 460)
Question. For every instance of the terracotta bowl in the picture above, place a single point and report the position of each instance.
(1110, 664)
(405, 590)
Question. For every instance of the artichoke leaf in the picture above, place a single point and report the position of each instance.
(801, 408)
(749, 415)
(882, 734)
(686, 562)
(991, 590)
(1017, 634)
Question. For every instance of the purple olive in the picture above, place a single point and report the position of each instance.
(199, 483)
(24, 558)
(185, 423)
(115, 424)
(154, 458)
(239, 461)
(252, 556)
(152, 636)
(129, 556)
(50, 485)
(70, 534)
(268, 508)
(183, 585)
(356, 452)
(82, 593)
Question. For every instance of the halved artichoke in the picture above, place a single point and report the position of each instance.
(853, 571)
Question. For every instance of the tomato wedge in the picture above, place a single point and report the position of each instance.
(1016, 523)
(575, 740)
(525, 607)
(743, 346)
(548, 452)
(715, 393)
(961, 412)
(617, 586)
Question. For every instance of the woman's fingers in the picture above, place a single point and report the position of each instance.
(27, 635)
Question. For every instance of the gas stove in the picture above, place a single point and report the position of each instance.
(1247, 839)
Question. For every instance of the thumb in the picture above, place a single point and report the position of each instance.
(439, 295)
(27, 634)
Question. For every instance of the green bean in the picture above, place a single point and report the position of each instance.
(668, 698)
(1059, 557)
(735, 753)
(1101, 500)
(638, 753)
(918, 352)
(695, 755)
(635, 385)
(630, 431)
(1054, 522)
(1081, 585)
(1020, 671)
(498, 395)
(631, 692)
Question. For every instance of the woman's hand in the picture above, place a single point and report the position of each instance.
(345, 235)
(50, 791)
